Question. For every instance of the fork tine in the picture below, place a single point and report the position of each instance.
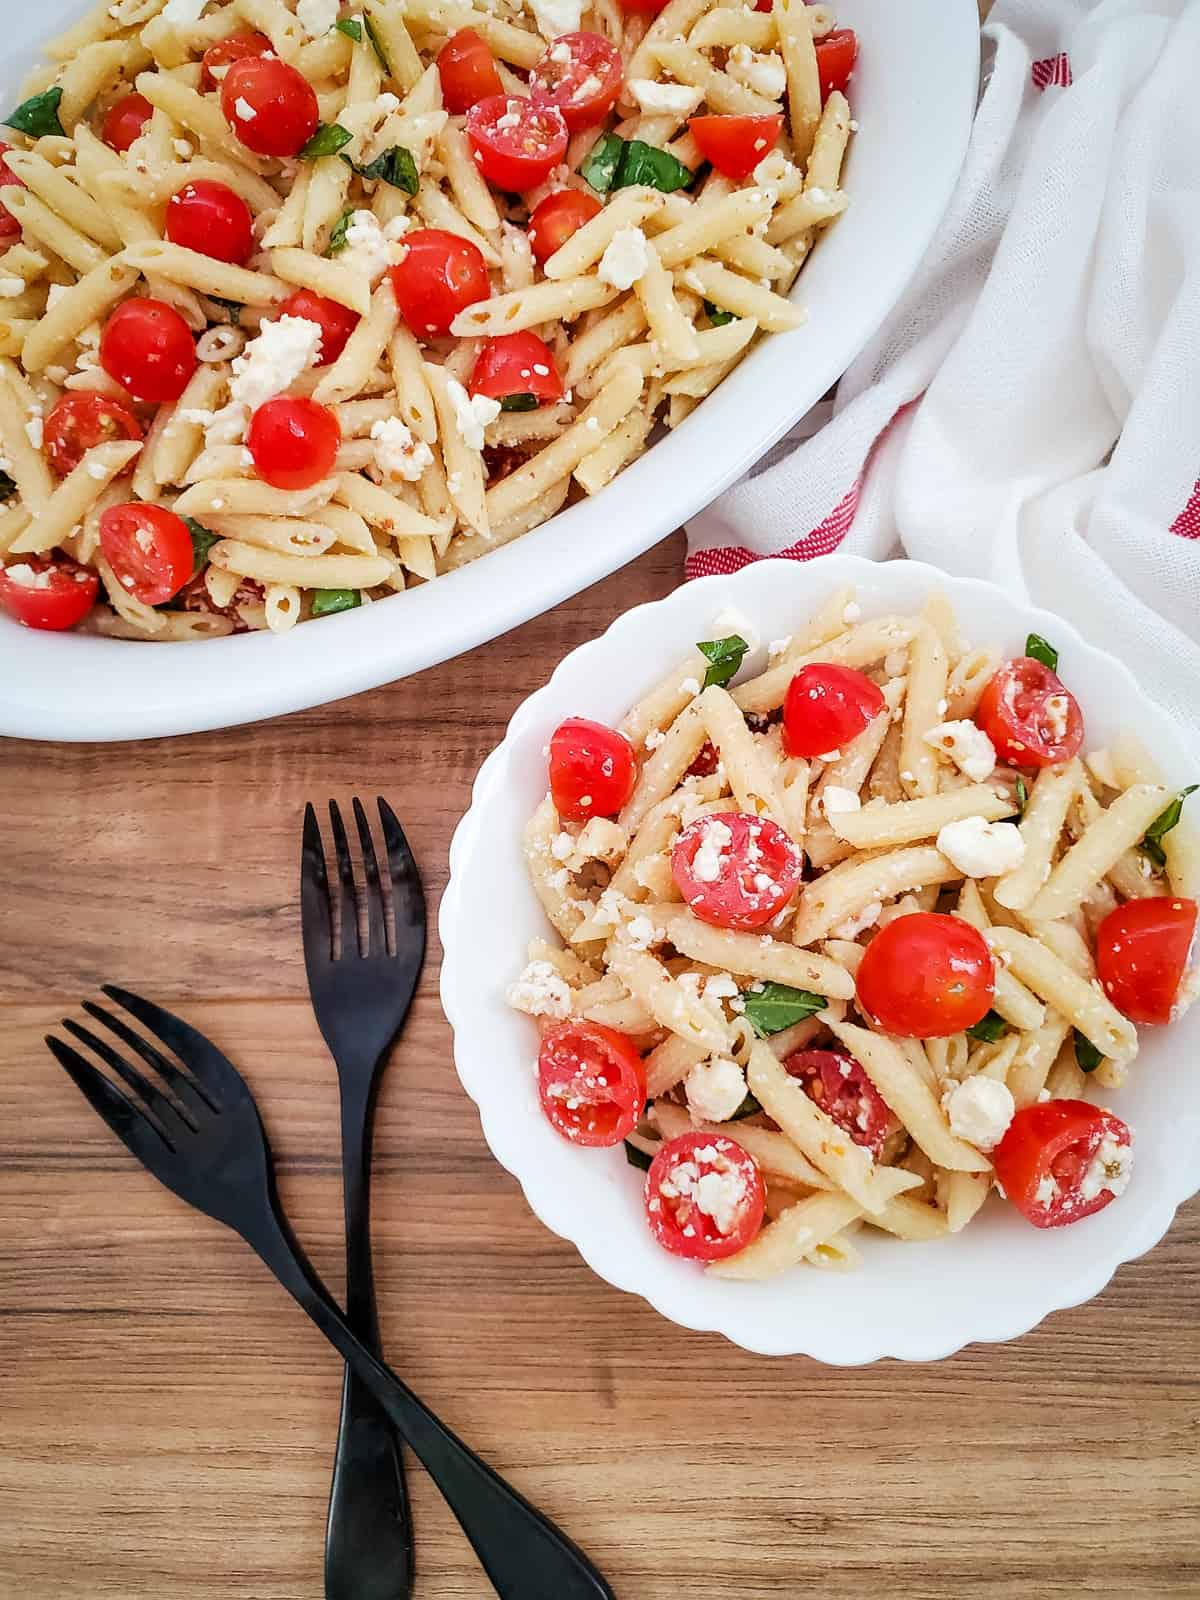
(408, 897)
(174, 1122)
(316, 915)
(130, 1124)
(191, 1094)
(349, 910)
(376, 910)
(225, 1085)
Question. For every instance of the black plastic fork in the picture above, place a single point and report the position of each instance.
(195, 1126)
(362, 987)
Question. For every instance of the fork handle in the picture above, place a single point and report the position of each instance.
(524, 1555)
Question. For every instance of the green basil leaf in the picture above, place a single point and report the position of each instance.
(1088, 1057)
(327, 141)
(8, 487)
(1040, 650)
(519, 402)
(395, 166)
(1163, 823)
(232, 308)
(327, 602)
(202, 543)
(637, 1158)
(645, 163)
(351, 27)
(724, 657)
(600, 164)
(748, 1108)
(39, 116)
(776, 1006)
(716, 316)
(337, 239)
(1022, 797)
(989, 1028)
(376, 46)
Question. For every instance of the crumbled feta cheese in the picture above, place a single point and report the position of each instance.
(183, 148)
(273, 361)
(831, 755)
(730, 621)
(625, 259)
(371, 248)
(540, 991)
(472, 413)
(183, 12)
(642, 933)
(980, 1110)
(764, 74)
(851, 613)
(980, 848)
(715, 1089)
(27, 577)
(654, 738)
(778, 647)
(556, 17)
(968, 747)
(35, 432)
(859, 922)
(690, 686)
(718, 1194)
(1110, 1168)
(244, 110)
(97, 470)
(721, 986)
(1055, 708)
(397, 453)
(511, 118)
(709, 860)
(834, 799)
(668, 99)
(10, 288)
(317, 16)
(1046, 1192)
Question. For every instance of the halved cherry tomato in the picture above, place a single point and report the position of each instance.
(643, 8)
(294, 442)
(825, 707)
(1063, 1160)
(1142, 951)
(271, 107)
(704, 1197)
(516, 145)
(839, 1084)
(9, 226)
(468, 71)
(736, 871)
(926, 976)
(581, 74)
(335, 321)
(148, 349)
(1031, 719)
(44, 593)
(79, 421)
(149, 549)
(516, 363)
(219, 57)
(209, 218)
(592, 770)
(557, 217)
(836, 55)
(591, 1082)
(439, 276)
(706, 762)
(124, 121)
(735, 145)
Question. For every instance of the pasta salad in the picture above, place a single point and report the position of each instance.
(851, 942)
(304, 302)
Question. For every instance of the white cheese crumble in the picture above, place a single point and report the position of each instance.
(555, 17)
(642, 933)
(859, 922)
(834, 799)
(35, 432)
(980, 1110)
(625, 258)
(968, 747)
(27, 577)
(244, 110)
(1055, 708)
(717, 1194)
(729, 621)
(765, 74)
(1046, 1192)
(851, 613)
(182, 12)
(472, 413)
(690, 686)
(397, 453)
(540, 991)
(778, 647)
(715, 1089)
(317, 16)
(372, 248)
(980, 848)
(10, 288)
(669, 99)
(654, 738)
(274, 360)
(709, 860)
(1110, 1168)
(97, 470)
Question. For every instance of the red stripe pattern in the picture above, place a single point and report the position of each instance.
(1187, 523)
(820, 541)
(1053, 72)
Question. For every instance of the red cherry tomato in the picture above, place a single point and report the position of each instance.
(516, 363)
(735, 145)
(557, 217)
(79, 421)
(148, 349)
(336, 322)
(592, 770)
(825, 707)
(294, 442)
(836, 55)
(219, 57)
(1142, 952)
(839, 1084)
(1063, 1160)
(271, 107)
(704, 1197)
(706, 763)
(439, 276)
(1031, 719)
(926, 976)
(209, 218)
(516, 144)
(9, 226)
(149, 549)
(581, 74)
(44, 593)
(643, 8)
(468, 71)
(736, 871)
(591, 1083)
(124, 121)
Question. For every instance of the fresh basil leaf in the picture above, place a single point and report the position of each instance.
(748, 1108)
(38, 116)
(519, 402)
(637, 1158)
(8, 487)
(1022, 797)
(327, 141)
(724, 657)
(989, 1028)
(202, 543)
(377, 46)
(716, 316)
(395, 166)
(600, 164)
(645, 163)
(328, 602)
(351, 27)
(1163, 823)
(337, 239)
(1088, 1057)
(232, 308)
(776, 1006)
(1040, 650)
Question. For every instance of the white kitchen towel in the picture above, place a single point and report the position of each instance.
(1030, 413)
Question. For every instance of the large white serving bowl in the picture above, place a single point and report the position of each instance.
(919, 1302)
(914, 93)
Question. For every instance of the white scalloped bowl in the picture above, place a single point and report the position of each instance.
(914, 91)
(918, 1302)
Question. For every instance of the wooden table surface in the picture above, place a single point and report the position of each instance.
(166, 1417)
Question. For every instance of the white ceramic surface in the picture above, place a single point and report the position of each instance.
(914, 94)
(915, 1301)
